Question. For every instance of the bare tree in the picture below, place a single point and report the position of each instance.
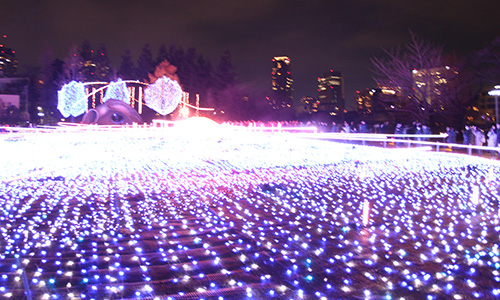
(417, 74)
(462, 89)
(487, 63)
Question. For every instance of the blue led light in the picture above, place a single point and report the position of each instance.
(117, 90)
(71, 99)
(164, 95)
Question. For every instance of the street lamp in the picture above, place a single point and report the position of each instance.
(496, 93)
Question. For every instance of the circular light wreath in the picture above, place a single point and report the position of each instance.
(69, 96)
(163, 96)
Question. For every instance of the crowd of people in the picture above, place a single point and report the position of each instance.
(472, 135)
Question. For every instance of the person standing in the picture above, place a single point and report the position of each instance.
(498, 138)
(478, 137)
(492, 138)
(346, 128)
(426, 130)
(467, 135)
(335, 127)
(498, 133)
(452, 135)
(418, 131)
(398, 130)
(363, 127)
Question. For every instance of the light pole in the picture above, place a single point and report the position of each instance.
(496, 93)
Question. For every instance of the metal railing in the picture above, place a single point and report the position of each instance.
(435, 142)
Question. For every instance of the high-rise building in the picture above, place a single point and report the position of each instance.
(331, 92)
(309, 104)
(430, 82)
(282, 83)
(8, 61)
(364, 101)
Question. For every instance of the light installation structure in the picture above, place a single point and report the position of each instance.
(69, 99)
(163, 96)
(117, 90)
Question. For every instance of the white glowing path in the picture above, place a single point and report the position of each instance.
(173, 149)
(181, 148)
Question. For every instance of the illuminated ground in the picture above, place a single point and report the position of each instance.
(184, 214)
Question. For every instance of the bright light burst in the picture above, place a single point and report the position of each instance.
(171, 212)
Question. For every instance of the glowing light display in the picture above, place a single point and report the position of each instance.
(163, 96)
(117, 90)
(168, 214)
(69, 99)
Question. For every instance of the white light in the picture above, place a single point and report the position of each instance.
(494, 92)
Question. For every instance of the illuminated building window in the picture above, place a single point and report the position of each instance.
(282, 82)
(331, 92)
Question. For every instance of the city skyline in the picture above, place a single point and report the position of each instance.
(316, 35)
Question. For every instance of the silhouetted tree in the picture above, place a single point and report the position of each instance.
(145, 64)
(487, 63)
(72, 66)
(462, 89)
(162, 54)
(85, 51)
(175, 55)
(127, 69)
(46, 73)
(225, 75)
(194, 72)
(187, 70)
(48, 84)
(103, 70)
(87, 63)
(225, 93)
(202, 81)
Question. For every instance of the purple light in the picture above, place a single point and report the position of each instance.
(166, 212)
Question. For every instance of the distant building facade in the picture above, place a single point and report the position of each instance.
(8, 62)
(482, 110)
(281, 83)
(364, 101)
(430, 82)
(14, 91)
(331, 93)
(309, 104)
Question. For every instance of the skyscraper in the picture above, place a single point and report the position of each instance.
(331, 93)
(8, 61)
(281, 83)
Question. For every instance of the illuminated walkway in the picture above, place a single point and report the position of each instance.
(210, 214)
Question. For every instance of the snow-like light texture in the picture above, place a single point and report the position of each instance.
(71, 99)
(163, 96)
(117, 90)
(217, 213)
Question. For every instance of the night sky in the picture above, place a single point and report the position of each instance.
(318, 35)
